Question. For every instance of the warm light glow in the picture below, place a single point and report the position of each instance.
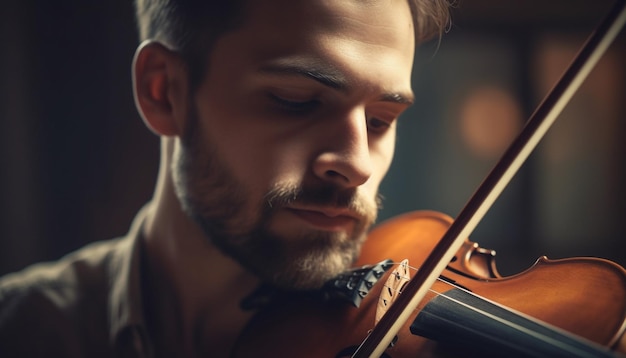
(490, 118)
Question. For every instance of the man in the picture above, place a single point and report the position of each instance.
(277, 121)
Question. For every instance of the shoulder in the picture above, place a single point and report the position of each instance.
(58, 280)
(51, 306)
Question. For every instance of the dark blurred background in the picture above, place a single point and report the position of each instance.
(77, 162)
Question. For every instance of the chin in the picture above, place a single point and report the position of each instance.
(311, 270)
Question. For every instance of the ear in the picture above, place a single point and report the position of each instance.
(160, 88)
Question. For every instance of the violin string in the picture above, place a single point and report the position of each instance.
(513, 325)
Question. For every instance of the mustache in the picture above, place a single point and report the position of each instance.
(326, 196)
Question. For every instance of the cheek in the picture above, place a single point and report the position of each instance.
(259, 159)
(382, 155)
(282, 161)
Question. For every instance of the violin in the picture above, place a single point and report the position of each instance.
(581, 296)
(444, 296)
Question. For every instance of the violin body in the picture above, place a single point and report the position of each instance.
(583, 296)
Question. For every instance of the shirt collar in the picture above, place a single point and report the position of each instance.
(125, 296)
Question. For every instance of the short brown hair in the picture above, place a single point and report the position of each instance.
(430, 17)
(192, 26)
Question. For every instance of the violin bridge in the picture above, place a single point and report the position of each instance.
(396, 281)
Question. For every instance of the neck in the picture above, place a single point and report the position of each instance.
(192, 288)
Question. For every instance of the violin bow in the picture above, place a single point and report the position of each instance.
(474, 210)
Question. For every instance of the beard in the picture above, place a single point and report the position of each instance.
(222, 206)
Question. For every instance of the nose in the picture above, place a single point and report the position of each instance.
(345, 156)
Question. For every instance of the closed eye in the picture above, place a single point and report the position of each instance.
(294, 105)
(376, 125)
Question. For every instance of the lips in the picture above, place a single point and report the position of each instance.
(328, 220)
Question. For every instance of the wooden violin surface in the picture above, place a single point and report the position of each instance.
(585, 297)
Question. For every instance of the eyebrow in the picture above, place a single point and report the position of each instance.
(398, 98)
(330, 77)
(327, 76)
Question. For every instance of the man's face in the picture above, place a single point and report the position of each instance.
(292, 131)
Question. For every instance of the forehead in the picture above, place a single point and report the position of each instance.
(362, 36)
(388, 16)
(386, 22)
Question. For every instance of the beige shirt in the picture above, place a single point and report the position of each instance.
(88, 304)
